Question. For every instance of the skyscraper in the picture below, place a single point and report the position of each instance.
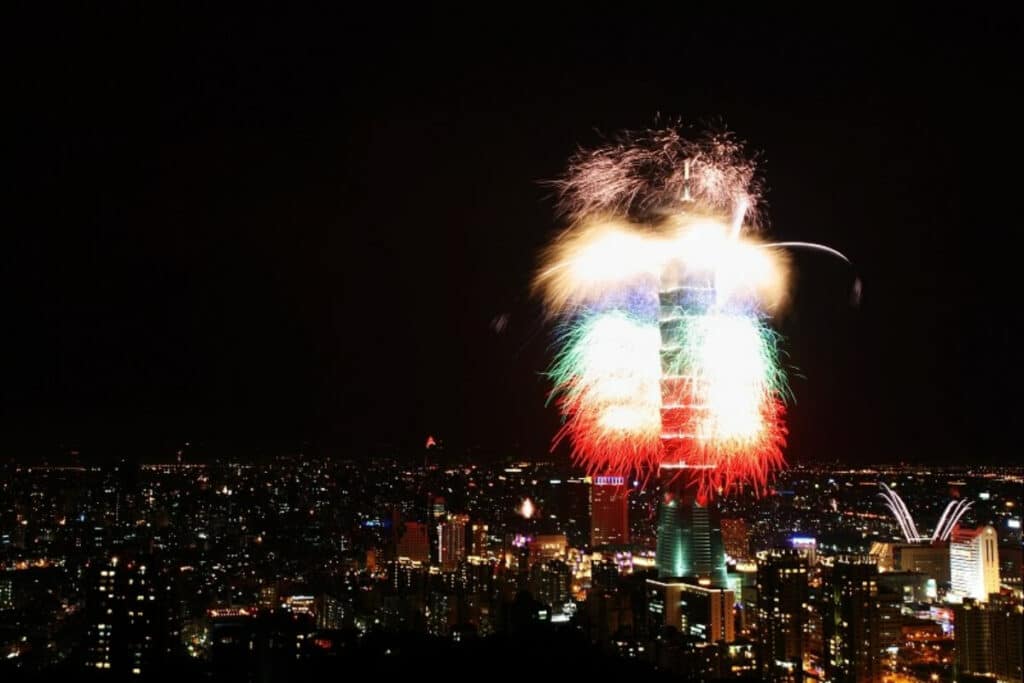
(689, 539)
(609, 511)
(850, 621)
(126, 618)
(452, 541)
(974, 563)
(782, 588)
(990, 638)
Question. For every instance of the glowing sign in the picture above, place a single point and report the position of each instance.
(609, 481)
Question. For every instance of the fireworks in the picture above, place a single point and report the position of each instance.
(662, 297)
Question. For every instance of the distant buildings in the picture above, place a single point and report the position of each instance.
(699, 613)
(974, 563)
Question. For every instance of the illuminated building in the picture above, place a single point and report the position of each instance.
(437, 508)
(735, 538)
(452, 541)
(850, 624)
(609, 512)
(698, 612)
(806, 546)
(550, 583)
(689, 540)
(782, 590)
(989, 638)
(545, 547)
(126, 619)
(480, 542)
(269, 596)
(413, 542)
(973, 563)
(330, 613)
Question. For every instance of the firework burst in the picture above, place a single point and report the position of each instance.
(666, 357)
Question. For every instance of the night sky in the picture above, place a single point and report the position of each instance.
(318, 231)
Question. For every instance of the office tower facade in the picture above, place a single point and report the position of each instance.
(974, 563)
(990, 638)
(689, 539)
(609, 511)
(330, 612)
(782, 593)
(850, 624)
(126, 619)
(698, 612)
(452, 541)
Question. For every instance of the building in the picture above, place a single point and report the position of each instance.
(330, 612)
(850, 624)
(930, 559)
(782, 592)
(702, 614)
(413, 542)
(546, 547)
(126, 619)
(551, 583)
(609, 511)
(437, 508)
(480, 540)
(973, 563)
(989, 639)
(452, 541)
(689, 541)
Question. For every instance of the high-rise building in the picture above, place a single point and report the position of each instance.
(609, 511)
(974, 563)
(850, 623)
(990, 638)
(330, 613)
(701, 613)
(413, 542)
(437, 508)
(126, 618)
(452, 541)
(480, 541)
(782, 591)
(689, 540)
(550, 583)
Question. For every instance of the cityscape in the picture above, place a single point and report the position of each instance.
(402, 343)
(305, 564)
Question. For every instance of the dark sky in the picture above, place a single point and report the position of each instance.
(292, 229)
